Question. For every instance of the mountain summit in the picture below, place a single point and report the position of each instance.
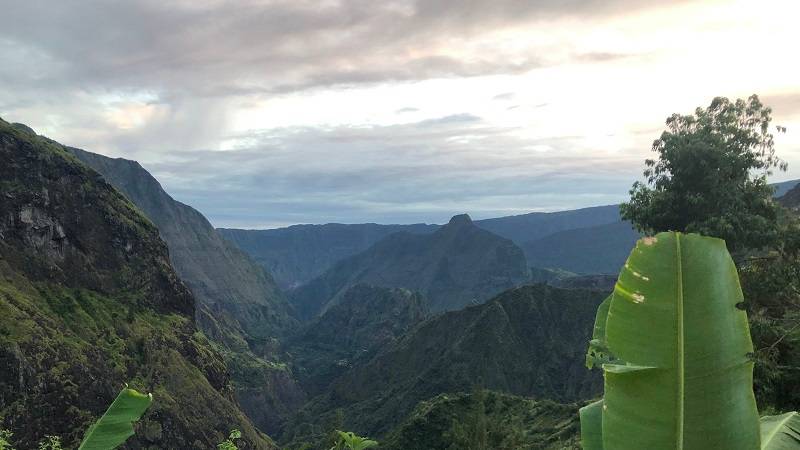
(457, 265)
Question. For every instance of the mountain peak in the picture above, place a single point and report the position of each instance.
(460, 219)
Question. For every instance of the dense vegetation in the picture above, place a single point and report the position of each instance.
(88, 302)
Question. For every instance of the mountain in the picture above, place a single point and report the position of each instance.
(791, 198)
(508, 421)
(297, 254)
(528, 341)
(367, 319)
(600, 249)
(457, 265)
(300, 253)
(532, 226)
(783, 187)
(88, 302)
(221, 277)
(240, 306)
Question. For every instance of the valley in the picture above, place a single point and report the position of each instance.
(405, 333)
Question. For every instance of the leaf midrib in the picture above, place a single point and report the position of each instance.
(680, 345)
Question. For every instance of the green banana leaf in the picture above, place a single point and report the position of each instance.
(598, 353)
(592, 426)
(683, 379)
(116, 425)
(780, 432)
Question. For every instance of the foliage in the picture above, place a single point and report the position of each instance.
(710, 176)
(116, 425)
(674, 345)
(780, 432)
(771, 284)
(349, 441)
(478, 430)
(521, 423)
(230, 443)
(5, 440)
(50, 443)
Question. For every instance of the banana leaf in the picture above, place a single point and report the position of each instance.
(683, 376)
(780, 432)
(598, 353)
(116, 425)
(592, 426)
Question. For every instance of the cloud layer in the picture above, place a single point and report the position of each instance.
(262, 113)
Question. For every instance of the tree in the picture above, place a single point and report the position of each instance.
(711, 176)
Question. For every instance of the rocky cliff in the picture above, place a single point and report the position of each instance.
(239, 305)
(88, 302)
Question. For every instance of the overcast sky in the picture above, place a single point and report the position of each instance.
(264, 114)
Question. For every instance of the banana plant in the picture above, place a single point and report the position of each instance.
(116, 425)
(674, 346)
(349, 441)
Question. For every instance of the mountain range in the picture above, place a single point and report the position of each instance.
(457, 265)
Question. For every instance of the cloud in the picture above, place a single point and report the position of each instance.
(211, 48)
(420, 171)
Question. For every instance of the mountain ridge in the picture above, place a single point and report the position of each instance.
(457, 264)
(89, 301)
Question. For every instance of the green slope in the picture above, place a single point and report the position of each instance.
(528, 341)
(504, 422)
(367, 319)
(89, 301)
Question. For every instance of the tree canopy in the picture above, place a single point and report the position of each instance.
(710, 176)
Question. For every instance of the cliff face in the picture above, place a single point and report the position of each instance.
(239, 305)
(88, 302)
(220, 276)
(457, 265)
(528, 341)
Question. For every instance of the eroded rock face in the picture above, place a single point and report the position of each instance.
(42, 232)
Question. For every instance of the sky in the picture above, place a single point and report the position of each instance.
(263, 114)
